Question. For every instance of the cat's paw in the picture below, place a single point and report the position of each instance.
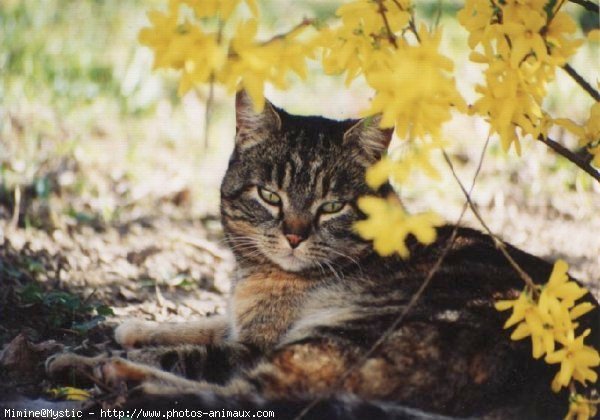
(110, 370)
(134, 333)
(62, 362)
(114, 371)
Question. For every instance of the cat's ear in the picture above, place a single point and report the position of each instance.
(371, 139)
(252, 127)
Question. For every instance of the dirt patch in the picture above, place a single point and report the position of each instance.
(72, 286)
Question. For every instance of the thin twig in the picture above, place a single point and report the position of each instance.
(573, 157)
(581, 82)
(497, 242)
(589, 5)
(557, 7)
(207, 110)
(413, 27)
(305, 22)
(413, 301)
(211, 91)
(14, 220)
(390, 35)
(438, 15)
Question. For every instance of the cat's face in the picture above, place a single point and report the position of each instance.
(289, 194)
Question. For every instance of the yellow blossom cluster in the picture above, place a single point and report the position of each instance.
(588, 134)
(251, 64)
(209, 55)
(413, 92)
(362, 42)
(388, 225)
(549, 319)
(581, 408)
(522, 43)
(413, 88)
(398, 169)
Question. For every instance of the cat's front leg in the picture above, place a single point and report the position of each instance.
(113, 371)
(137, 333)
(212, 363)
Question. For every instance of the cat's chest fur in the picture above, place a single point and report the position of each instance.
(264, 304)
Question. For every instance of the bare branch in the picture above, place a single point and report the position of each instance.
(14, 220)
(390, 35)
(573, 157)
(211, 92)
(499, 244)
(589, 5)
(304, 23)
(581, 82)
(208, 109)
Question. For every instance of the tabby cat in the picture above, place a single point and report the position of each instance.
(310, 298)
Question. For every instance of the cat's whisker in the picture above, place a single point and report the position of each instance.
(243, 244)
(241, 239)
(351, 259)
(321, 268)
(335, 273)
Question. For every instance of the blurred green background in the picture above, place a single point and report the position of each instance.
(91, 134)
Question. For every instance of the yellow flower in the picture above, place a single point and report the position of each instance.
(379, 173)
(413, 90)
(522, 25)
(559, 45)
(388, 225)
(580, 310)
(523, 42)
(581, 408)
(183, 46)
(549, 319)
(252, 64)
(211, 8)
(588, 134)
(399, 169)
(576, 361)
(361, 43)
(595, 152)
(70, 394)
(561, 287)
(202, 57)
(476, 17)
(531, 322)
(159, 36)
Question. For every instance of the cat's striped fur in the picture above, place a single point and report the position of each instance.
(310, 299)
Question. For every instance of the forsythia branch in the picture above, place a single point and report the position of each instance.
(582, 82)
(305, 22)
(499, 244)
(390, 34)
(591, 6)
(574, 158)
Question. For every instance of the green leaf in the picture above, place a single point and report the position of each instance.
(83, 327)
(104, 310)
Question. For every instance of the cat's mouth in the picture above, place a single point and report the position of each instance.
(291, 260)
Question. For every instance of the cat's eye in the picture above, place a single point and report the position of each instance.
(269, 196)
(332, 207)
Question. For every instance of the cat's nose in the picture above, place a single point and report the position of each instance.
(294, 240)
(296, 229)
